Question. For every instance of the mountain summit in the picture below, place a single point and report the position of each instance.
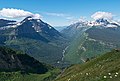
(104, 23)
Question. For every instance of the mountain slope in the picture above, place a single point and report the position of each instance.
(16, 61)
(103, 68)
(40, 27)
(89, 41)
(17, 66)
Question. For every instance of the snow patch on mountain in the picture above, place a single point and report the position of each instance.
(110, 25)
(99, 22)
(101, 19)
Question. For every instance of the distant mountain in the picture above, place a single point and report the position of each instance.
(104, 23)
(90, 41)
(103, 68)
(70, 31)
(60, 28)
(31, 27)
(41, 27)
(99, 22)
(36, 38)
(4, 22)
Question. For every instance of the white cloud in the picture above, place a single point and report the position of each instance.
(66, 16)
(36, 16)
(105, 15)
(16, 13)
(56, 14)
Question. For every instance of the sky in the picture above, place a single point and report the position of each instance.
(60, 12)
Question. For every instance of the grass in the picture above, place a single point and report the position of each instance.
(17, 76)
(23, 67)
(95, 70)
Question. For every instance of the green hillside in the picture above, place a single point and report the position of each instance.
(44, 52)
(103, 68)
(89, 42)
(18, 66)
(83, 47)
(17, 76)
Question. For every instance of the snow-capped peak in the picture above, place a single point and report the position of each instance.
(99, 22)
(103, 23)
(79, 24)
(33, 17)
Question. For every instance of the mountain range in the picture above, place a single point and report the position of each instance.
(74, 44)
(80, 47)
(34, 37)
